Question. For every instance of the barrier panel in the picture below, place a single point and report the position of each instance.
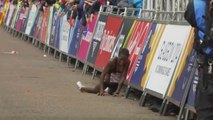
(57, 33)
(76, 38)
(20, 18)
(136, 42)
(16, 14)
(144, 58)
(24, 21)
(190, 104)
(86, 39)
(96, 40)
(126, 26)
(53, 28)
(107, 42)
(64, 34)
(9, 14)
(44, 25)
(166, 58)
(37, 25)
(182, 73)
(49, 26)
(4, 12)
(31, 19)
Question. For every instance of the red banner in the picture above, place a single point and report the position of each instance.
(136, 43)
(44, 25)
(108, 41)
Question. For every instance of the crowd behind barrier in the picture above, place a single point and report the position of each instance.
(160, 44)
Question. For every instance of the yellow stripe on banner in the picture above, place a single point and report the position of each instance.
(187, 50)
(155, 40)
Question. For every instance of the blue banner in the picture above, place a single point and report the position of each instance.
(140, 68)
(53, 28)
(76, 38)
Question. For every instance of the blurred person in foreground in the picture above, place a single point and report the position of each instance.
(199, 14)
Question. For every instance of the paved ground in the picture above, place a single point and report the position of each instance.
(33, 87)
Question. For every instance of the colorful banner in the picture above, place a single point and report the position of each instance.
(136, 43)
(65, 31)
(166, 58)
(20, 19)
(25, 19)
(183, 70)
(16, 14)
(10, 13)
(7, 9)
(44, 25)
(31, 19)
(142, 62)
(126, 26)
(49, 25)
(76, 38)
(86, 39)
(72, 31)
(37, 25)
(94, 47)
(193, 88)
(4, 13)
(108, 41)
(57, 32)
(53, 28)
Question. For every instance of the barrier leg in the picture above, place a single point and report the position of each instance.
(68, 60)
(143, 99)
(94, 73)
(186, 114)
(60, 56)
(45, 48)
(84, 68)
(128, 89)
(55, 51)
(164, 107)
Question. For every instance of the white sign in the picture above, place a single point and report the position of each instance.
(65, 29)
(31, 19)
(166, 57)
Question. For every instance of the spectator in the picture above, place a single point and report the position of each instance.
(199, 15)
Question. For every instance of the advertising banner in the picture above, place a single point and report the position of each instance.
(25, 19)
(49, 25)
(65, 31)
(96, 40)
(57, 32)
(31, 19)
(10, 13)
(76, 38)
(37, 25)
(86, 39)
(192, 91)
(141, 65)
(16, 14)
(20, 19)
(53, 28)
(122, 35)
(183, 70)
(136, 43)
(108, 41)
(44, 25)
(166, 58)
(7, 9)
(72, 31)
(4, 13)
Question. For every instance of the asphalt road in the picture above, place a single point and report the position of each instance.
(33, 87)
